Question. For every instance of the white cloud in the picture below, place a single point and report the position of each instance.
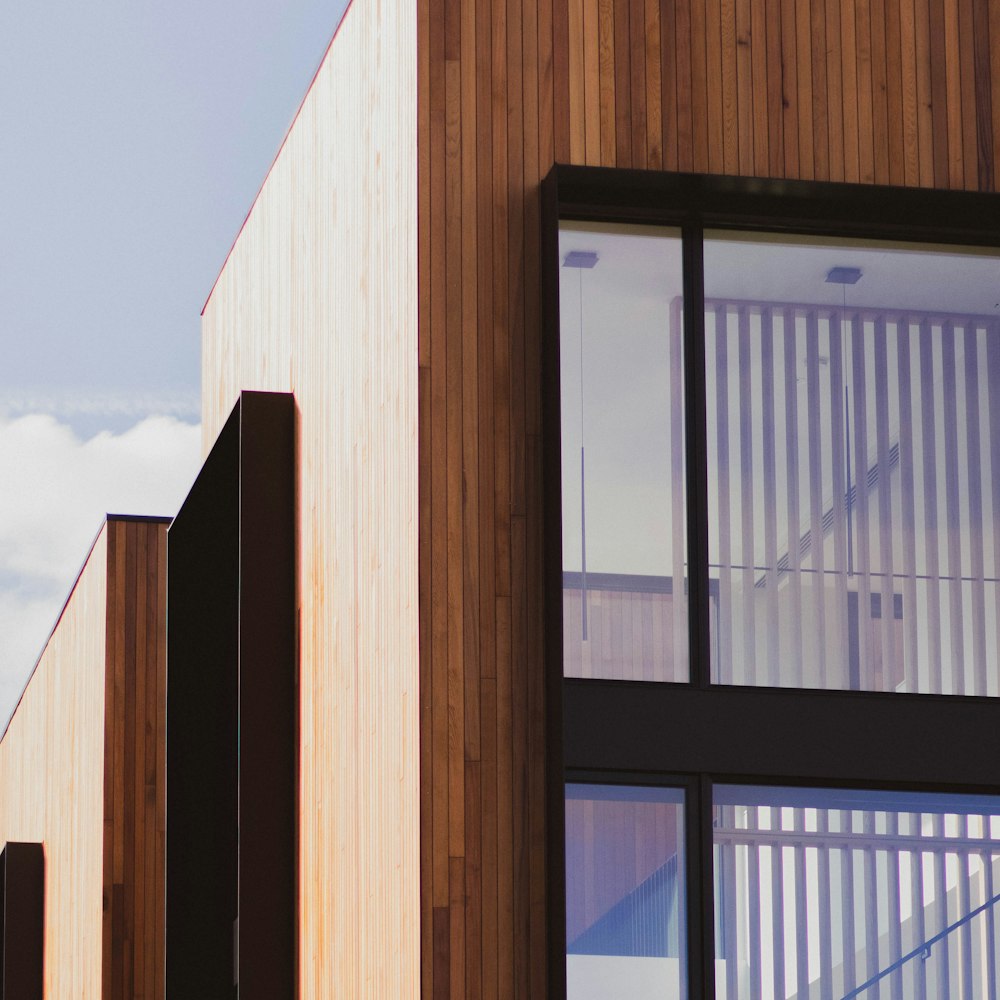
(55, 490)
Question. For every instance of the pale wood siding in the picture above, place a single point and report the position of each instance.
(846, 90)
(52, 782)
(82, 766)
(318, 297)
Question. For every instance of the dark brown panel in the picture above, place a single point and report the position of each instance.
(134, 785)
(231, 710)
(22, 931)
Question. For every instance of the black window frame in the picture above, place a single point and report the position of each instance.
(640, 732)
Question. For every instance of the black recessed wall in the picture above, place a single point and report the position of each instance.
(231, 679)
(22, 921)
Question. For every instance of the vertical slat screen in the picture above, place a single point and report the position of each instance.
(792, 490)
(881, 572)
(913, 895)
(839, 476)
(748, 674)
(800, 928)
(817, 540)
(974, 491)
(727, 654)
(769, 459)
(930, 504)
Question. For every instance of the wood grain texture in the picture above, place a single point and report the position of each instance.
(63, 761)
(134, 771)
(388, 274)
(831, 89)
(318, 297)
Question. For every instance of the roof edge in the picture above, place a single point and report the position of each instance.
(274, 160)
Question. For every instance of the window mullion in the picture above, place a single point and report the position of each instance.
(697, 455)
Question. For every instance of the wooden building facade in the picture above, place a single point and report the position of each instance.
(390, 276)
(82, 765)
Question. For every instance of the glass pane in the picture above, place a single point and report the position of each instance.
(624, 534)
(625, 899)
(829, 893)
(853, 394)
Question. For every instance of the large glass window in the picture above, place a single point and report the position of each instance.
(622, 389)
(625, 893)
(833, 893)
(853, 412)
(777, 596)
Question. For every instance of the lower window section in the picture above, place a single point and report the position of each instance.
(819, 894)
(625, 897)
(842, 894)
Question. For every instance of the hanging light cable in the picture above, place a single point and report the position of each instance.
(845, 276)
(582, 260)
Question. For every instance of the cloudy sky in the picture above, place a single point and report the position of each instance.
(134, 137)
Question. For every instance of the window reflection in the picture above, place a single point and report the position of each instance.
(624, 530)
(855, 894)
(625, 893)
(853, 405)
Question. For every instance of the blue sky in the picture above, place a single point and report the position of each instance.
(134, 138)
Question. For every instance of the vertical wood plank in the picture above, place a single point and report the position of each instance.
(560, 78)
(953, 93)
(606, 65)
(828, 61)
(970, 112)
(894, 146)
(731, 84)
(623, 84)
(591, 80)
(884, 62)
(851, 56)
(654, 87)
(576, 37)
(697, 18)
(994, 74)
(713, 66)
(940, 94)
(759, 44)
(668, 79)
(985, 146)
(909, 92)
(637, 82)
(744, 86)
(792, 84)
(684, 65)
(775, 89)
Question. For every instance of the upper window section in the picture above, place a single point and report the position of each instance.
(853, 458)
(623, 487)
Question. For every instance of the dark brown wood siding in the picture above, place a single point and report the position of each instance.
(871, 91)
(134, 760)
